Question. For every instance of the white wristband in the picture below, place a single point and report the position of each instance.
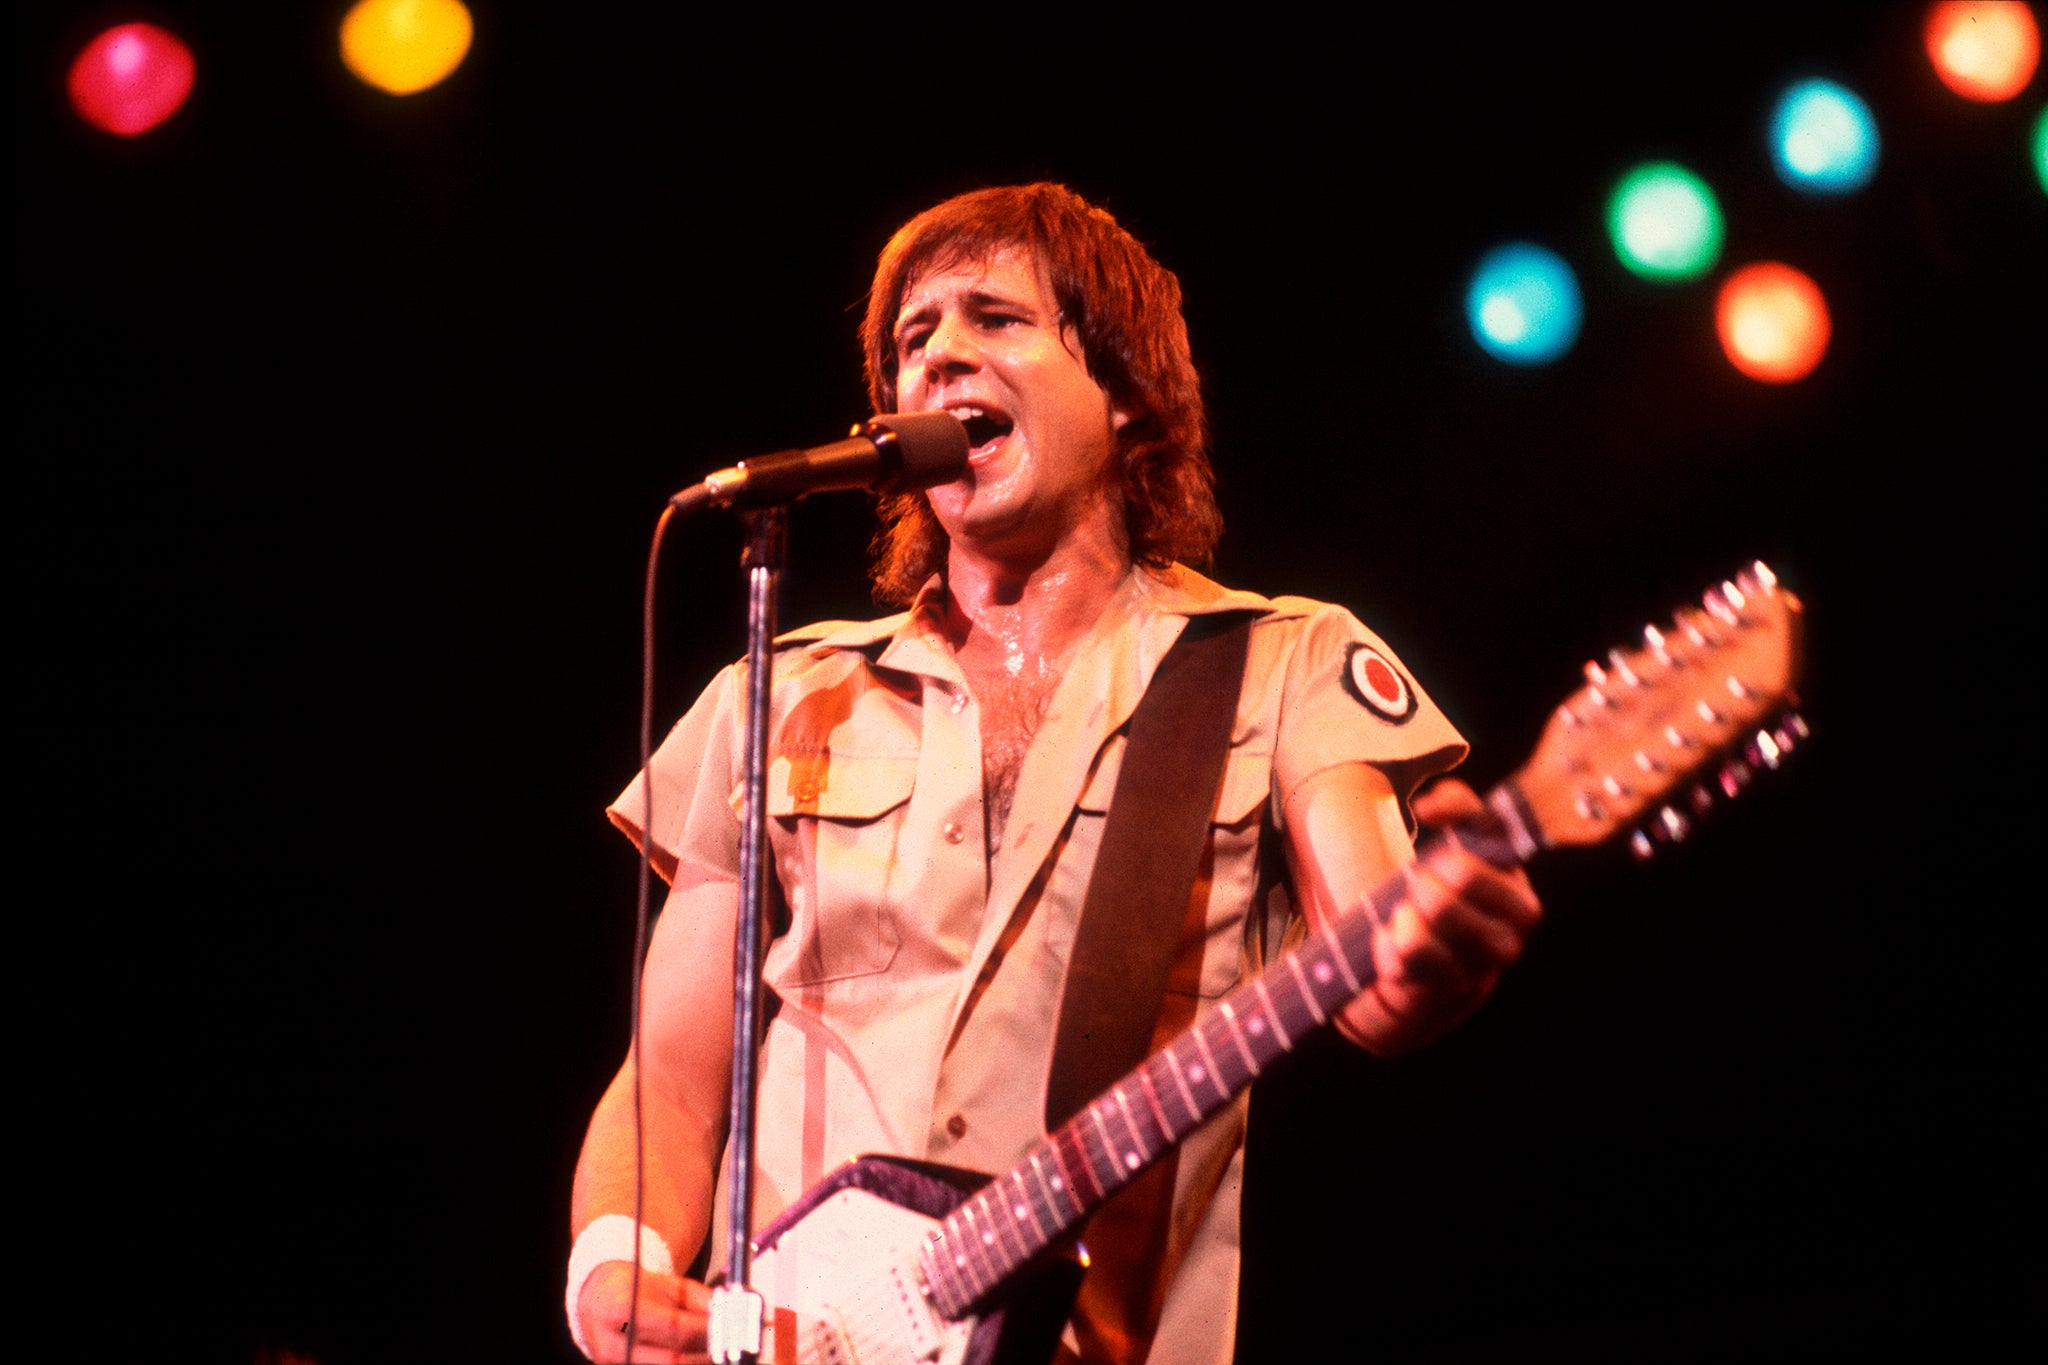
(610, 1238)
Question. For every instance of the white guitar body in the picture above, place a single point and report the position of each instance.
(843, 1288)
(844, 1284)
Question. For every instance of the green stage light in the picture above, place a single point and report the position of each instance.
(2041, 148)
(1665, 222)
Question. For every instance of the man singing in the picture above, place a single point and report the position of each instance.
(940, 784)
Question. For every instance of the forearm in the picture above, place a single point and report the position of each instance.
(680, 1164)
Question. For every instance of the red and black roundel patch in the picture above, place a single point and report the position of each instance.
(1371, 677)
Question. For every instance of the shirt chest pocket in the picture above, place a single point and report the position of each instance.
(1211, 956)
(835, 822)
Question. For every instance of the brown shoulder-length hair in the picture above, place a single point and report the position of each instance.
(1126, 309)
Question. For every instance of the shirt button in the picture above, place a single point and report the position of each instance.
(957, 1126)
(954, 834)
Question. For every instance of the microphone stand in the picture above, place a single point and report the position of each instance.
(736, 1309)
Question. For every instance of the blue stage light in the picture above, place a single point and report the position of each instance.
(1823, 139)
(1524, 305)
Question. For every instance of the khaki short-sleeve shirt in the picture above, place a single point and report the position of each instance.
(919, 971)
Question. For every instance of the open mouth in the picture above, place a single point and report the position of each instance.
(985, 426)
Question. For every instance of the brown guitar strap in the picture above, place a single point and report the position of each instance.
(1152, 846)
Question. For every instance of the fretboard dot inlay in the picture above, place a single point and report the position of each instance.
(1131, 1160)
(1321, 972)
(1195, 1072)
(1255, 1026)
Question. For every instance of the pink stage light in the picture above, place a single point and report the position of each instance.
(130, 79)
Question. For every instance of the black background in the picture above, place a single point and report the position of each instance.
(345, 420)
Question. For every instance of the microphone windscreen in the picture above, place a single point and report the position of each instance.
(933, 446)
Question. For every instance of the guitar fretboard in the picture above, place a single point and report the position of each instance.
(1073, 1171)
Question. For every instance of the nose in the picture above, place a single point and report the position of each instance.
(951, 349)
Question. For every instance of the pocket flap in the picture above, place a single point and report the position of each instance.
(1247, 780)
(835, 786)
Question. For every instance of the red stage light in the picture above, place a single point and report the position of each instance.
(1983, 51)
(1773, 322)
(130, 79)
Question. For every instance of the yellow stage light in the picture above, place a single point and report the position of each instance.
(405, 45)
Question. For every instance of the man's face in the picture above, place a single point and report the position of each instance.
(984, 341)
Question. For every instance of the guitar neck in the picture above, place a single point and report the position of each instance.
(1644, 728)
(1068, 1174)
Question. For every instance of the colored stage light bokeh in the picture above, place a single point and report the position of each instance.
(1823, 138)
(1665, 223)
(130, 79)
(404, 46)
(1986, 50)
(2041, 149)
(1524, 305)
(1773, 322)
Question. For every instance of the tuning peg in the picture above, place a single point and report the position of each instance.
(1653, 640)
(1640, 845)
(1708, 713)
(1672, 825)
(1719, 607)
(1618, 662)
(1763, 751)
(1795, 726)
(1735, 775)
(1702, 798)
(1649, 762)
(1588, 805)
(1758, 579)
(1678, 739)
(1739, 689)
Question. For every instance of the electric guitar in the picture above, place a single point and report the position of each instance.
(889, 1261)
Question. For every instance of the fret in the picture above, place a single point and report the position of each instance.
(1167, 1133)
(1053, 1184)
(1237, 1036)
(1315, 1006)
(1295, 1007)
(1272, 1014)
(1208, 1070)
(1110, 1173)
(1328, 931)
(1139, 1152)
(939, 1274)
(982, 1271)
(1014, 1247)
(1073, 1163)
(1170, 1058)
(1023, 1206)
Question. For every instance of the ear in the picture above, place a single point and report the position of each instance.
(1117, 417)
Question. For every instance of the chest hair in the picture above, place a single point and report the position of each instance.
(1012, 705)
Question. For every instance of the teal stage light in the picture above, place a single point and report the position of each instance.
(1823, 138)
(1665, 223)
(1524, 305)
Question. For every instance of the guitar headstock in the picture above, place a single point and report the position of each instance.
(1696, 708)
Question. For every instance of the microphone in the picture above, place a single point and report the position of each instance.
(891, 453)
